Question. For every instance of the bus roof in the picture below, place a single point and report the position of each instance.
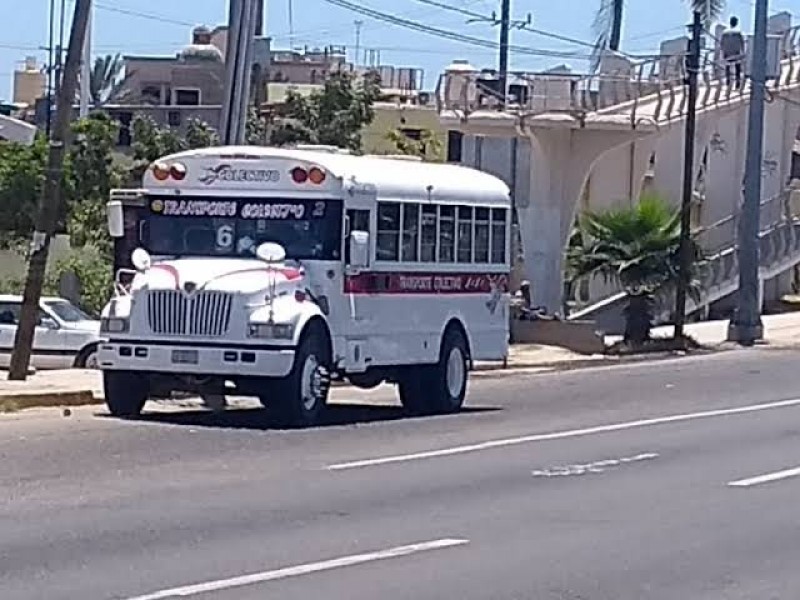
(392, 177)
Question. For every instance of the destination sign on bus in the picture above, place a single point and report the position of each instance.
(272, 209)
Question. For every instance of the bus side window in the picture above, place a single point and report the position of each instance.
(357, 220)
(387, 243)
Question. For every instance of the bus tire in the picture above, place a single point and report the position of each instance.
(300, 399)
(439, 388)
(125, 393)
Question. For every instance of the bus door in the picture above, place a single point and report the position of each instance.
(360, 322)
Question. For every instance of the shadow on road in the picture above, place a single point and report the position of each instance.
(261, 419)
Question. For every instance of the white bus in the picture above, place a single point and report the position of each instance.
(271, 272)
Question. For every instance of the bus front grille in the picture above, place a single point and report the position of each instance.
(172, 312)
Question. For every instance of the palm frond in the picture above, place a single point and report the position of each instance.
(710, 9)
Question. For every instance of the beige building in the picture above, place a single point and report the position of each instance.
(29, 82)
(412, 120)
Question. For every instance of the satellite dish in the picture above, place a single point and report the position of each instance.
(141, 259)
(271, 253)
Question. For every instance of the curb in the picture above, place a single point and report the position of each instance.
(10, 402)
(25, 400)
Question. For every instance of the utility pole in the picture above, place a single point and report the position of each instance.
(684, 253)
(50, 201)
(358, 25)
(505, 26)
(51, 66)
(238, 70)
(746, 326)
(86, 71)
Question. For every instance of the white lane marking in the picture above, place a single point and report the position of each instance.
(306, 569)
(598, 466)
(768, 478)
(560, 435)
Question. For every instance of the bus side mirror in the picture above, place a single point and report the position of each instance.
(116, 222)
(359, 250)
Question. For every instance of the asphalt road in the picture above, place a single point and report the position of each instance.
(670, 480)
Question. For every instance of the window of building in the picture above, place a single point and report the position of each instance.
(410, 232)
(498, 242)
(187, 97)
(455, 141)
(429, 234)
(464, 234)
(447, 234)
(412, 133)
(151, 94)
(174, 118)
(388, 239)
(481, 235)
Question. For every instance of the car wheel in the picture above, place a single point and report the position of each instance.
(87, 358)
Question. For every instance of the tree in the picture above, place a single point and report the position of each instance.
(332, 116)
(107, 80)
(609, 17)
(21, 177)
(638, 248)
(428, 146)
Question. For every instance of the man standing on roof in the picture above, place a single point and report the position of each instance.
(732, 46)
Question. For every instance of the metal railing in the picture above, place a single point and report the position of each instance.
(779, 240)
(656, 83)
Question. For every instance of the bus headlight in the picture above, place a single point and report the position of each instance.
(280, 331)
(114, 325)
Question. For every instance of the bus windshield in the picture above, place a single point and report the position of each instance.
(235, 227)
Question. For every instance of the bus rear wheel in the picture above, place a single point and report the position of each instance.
(126, 393)
(439, 388)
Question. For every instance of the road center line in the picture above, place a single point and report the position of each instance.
(306, 569)
(768, 478)
(560, 435)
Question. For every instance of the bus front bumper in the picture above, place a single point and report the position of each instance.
(196, 358)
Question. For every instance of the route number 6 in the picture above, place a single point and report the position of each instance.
(225, 236)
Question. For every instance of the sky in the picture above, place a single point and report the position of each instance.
(165, 28)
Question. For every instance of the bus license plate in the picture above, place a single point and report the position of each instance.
(185, 357)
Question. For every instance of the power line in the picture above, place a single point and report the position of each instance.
(521, 26)
(443, 33)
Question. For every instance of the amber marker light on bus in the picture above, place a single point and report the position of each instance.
(161, 171)
(316, 175)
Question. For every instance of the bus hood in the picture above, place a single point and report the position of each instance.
(243, 276)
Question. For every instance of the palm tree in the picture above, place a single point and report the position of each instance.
(107, 80)
(608, 22)
(637, 247)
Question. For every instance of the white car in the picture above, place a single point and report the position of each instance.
(65, 336)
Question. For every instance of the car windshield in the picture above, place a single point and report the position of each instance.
(307, 229)
(67, 312)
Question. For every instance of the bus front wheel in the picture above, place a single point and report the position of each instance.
(439, 388)
(126, 393)
(300, 399)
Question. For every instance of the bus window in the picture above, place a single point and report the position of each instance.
(388, 242)
(499, 235)
(428, 234)
(447, 234)
(464, 234)
(410, 232)
(481, 235)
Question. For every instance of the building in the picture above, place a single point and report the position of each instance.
(30, 82)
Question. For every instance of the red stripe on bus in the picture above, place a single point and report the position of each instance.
(426, 283)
